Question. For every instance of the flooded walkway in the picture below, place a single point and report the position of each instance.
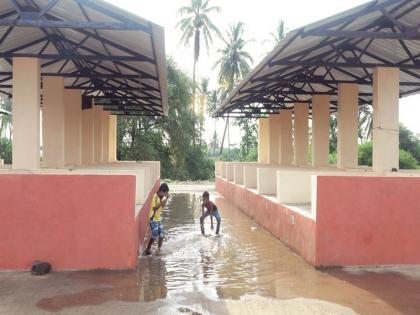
(243, 271)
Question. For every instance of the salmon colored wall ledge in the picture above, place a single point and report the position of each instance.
(274, 217)
(72, 221)
(368, 221)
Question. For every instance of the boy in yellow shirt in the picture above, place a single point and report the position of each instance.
(158, 202)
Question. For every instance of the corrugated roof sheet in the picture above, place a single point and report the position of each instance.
(342, 48)
(120, 60)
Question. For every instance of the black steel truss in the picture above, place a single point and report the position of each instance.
(111, 77)
(343, 55)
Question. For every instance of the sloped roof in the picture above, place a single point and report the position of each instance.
(344, 48)
(110, 54)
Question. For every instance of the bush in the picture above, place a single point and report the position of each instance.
(252, 155)
(333, 158)
(6, 150)
(365, 153)
(407, 161)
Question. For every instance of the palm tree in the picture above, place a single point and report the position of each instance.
(213, 102)
(196, 23)
(279, 34)
(5, 116)
(365, 122)
(234, 63)
(204, 94)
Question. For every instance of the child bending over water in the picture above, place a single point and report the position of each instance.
(211, 210)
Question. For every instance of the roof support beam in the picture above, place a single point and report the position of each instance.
(321, 63)
(111, 13)
(73, 25)
(48, 7)
(409, 33)
(69, 55)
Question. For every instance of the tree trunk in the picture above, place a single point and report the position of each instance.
(223, 139)
(193, 96)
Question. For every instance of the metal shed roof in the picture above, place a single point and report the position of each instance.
(344, 48)
(110, 54)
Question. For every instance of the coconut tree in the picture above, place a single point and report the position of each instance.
(5, 116)
(279, 34)
(365, 122)
(234, 62)
(195, 23)
(213, 102)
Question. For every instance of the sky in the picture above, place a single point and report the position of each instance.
(260, 17)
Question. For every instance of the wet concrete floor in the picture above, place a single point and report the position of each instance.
(243, 271)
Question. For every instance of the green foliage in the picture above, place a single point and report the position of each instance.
(409, 142)
(235, 60)
(172, 139)
(407, 160)
(365, 153)
(333, 133)
(252, 155)
(6, 150)
(333, 158)
(234, 154)
(279, 34)
(195, 23)
(249, 128)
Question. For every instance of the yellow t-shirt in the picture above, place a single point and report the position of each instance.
(154, 203)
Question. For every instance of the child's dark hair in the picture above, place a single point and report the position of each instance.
(164, 187)
(206, 194)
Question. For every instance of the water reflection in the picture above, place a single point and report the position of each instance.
(209, 273)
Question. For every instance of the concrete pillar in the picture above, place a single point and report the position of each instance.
(286, 139)
(347, 125)
(87, 136)
(238, 171)
(112, 138)
(320, 130)
(53, 122)
(274, 138)
(385, 119)
(26, 113)
(97, 134)
(301, 133)
(72, 127)
(105, 136)
(263, 137)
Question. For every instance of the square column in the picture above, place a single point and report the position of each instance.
(274, 131)
(97, 134)
(347, 125)
(263, 135)
(301, 133)
(112, 138)
(386, 91)
(72, 127)
(26, 113)
(53, 122)
(320, 130)
(286, 140)
(105, 136)
(87, 136)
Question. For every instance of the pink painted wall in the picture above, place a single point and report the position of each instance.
(274, 217)
(368, 221)
(72, 221)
